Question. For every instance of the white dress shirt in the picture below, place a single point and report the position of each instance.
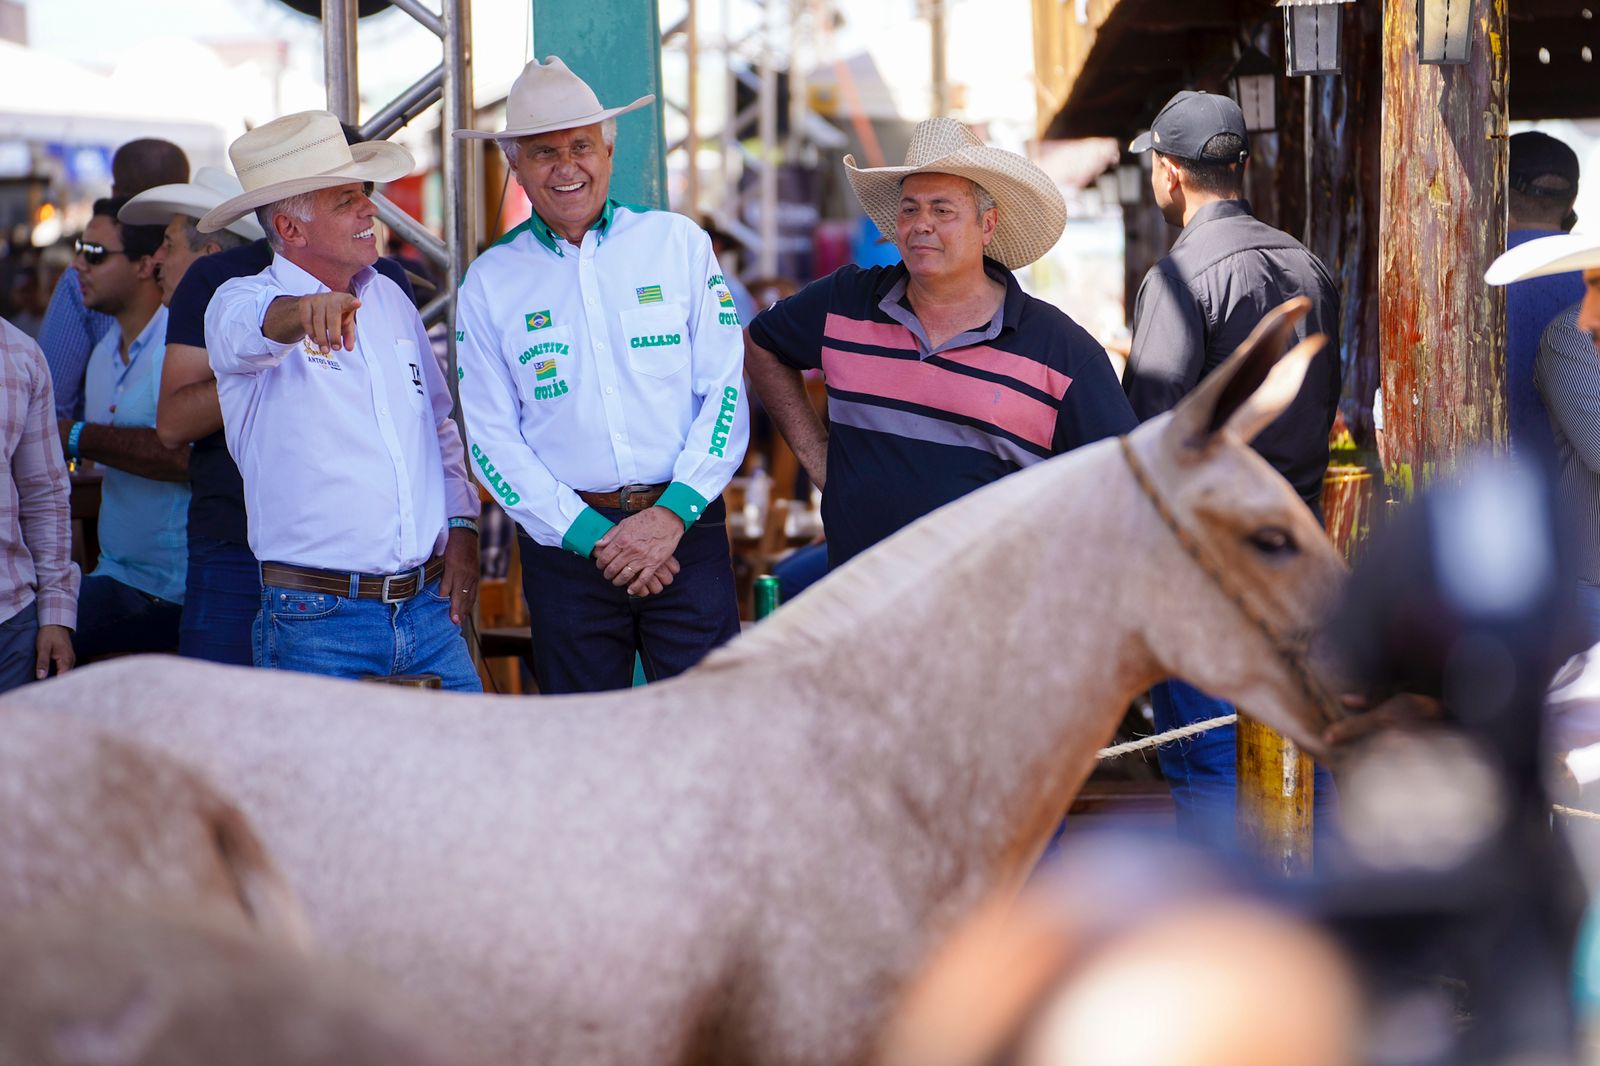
(350, 460)
(589, 367)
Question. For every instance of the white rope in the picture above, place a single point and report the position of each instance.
(1574, 812)
(1168, 737)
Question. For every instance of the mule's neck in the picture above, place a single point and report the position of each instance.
(967, 673)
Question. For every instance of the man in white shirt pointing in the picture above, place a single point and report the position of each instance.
(601, 362)
(338, 416)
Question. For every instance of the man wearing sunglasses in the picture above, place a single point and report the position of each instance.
(70, 330)
(133, 599)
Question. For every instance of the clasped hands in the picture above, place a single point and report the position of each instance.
(637, 551)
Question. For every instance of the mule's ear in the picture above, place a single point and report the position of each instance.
(1205, 411)
(1276, 393)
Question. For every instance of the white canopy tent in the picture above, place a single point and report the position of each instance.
(48, 100)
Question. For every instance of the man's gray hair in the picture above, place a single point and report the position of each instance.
(980, 195)
(223, 239)
(984, 199)
(608, 134)
(301, 207)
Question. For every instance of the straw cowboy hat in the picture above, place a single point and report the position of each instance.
(1546, 255)
(297, 154)
(1032, 212)
(210, 187)
(547, 97)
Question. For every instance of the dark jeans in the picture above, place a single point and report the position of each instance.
(318, 633)
(117, 619)
(1203, 770)
(220, 604)
(586, 630)
(19, 639)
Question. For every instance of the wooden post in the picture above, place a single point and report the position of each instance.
(1443, 220)
(1274, 799)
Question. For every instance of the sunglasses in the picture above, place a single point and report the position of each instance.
(95, 254)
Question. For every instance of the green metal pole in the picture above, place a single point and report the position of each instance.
(615, 46)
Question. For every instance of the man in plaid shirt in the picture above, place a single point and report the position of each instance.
(38, 579)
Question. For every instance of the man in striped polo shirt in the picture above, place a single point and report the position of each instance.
(943, 375)
(1567, 372)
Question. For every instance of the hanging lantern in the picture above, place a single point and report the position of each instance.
(1311, 35)
(1254, 85)
(1130, 183)
(1444, 31)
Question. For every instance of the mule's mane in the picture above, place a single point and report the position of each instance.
(928, 551)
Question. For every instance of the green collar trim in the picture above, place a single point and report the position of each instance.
(550, 238)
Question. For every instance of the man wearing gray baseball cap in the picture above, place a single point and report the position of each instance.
(1225, 271)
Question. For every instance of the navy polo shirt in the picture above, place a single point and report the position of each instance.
(216, 503)
(912, 427)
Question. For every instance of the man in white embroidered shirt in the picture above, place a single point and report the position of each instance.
(338, 415)
(601, 382)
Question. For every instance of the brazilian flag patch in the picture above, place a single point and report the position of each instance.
(538, 320)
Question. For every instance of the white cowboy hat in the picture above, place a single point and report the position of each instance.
(1546, 255)
(301, 153)
(1032, 212)
(210, 187)
(547, 97)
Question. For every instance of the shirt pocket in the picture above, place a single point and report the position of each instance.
(658, 339)
(543, 365)
(409, 365)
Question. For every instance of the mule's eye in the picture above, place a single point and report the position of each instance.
(1271, 540)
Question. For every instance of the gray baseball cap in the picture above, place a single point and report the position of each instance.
(1187, 121)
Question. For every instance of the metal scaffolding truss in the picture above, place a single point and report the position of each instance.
(449, 84)
(756, 41)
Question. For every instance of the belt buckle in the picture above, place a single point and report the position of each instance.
(625, 495)
(384, 594)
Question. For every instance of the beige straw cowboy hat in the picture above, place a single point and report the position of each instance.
(547, 97)
(210, 187)
(301, 153)
(1032, 212)
(1546, 255)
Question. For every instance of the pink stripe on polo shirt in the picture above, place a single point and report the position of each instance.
(877, 334)
(917, 382)
(1017, 367)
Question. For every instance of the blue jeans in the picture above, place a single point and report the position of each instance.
(118, 619)
(586, 631)
(800, 569)
(1203, 770)
(319, 633)
(220, 603)
(19, 641)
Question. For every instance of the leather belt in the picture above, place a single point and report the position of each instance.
(630, 498)
(389, 588)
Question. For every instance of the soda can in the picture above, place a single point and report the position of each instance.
(766, 595)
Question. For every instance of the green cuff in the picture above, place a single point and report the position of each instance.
(684, 502)
(588, 527)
